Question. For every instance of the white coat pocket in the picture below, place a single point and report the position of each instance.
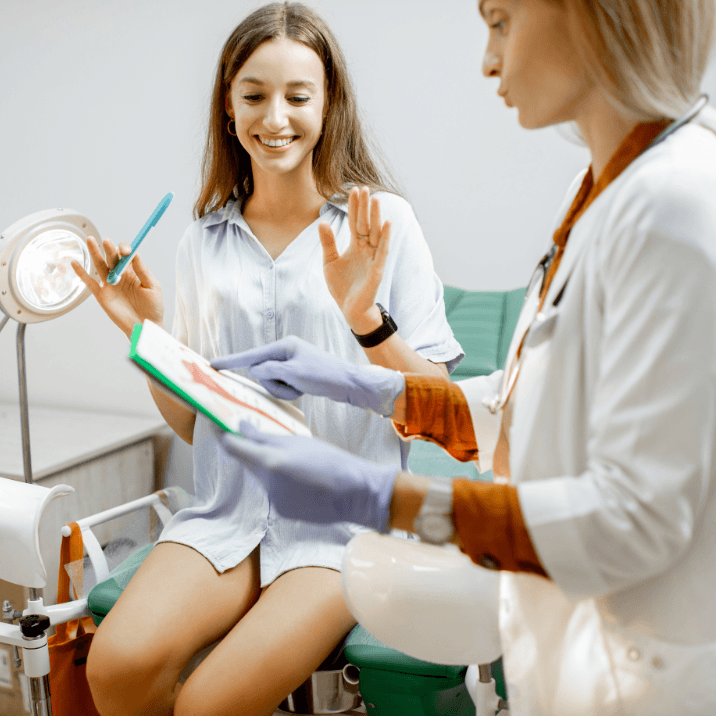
(659, 678)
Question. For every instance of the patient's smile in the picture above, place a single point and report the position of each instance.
(279, 142)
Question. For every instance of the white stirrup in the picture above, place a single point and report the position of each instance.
(432, 603)
(21, 508)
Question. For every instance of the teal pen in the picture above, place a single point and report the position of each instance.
(116, 272)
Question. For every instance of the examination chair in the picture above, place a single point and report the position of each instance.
(383, 579)
(390, 682)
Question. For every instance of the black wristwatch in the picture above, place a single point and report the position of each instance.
(376, 337)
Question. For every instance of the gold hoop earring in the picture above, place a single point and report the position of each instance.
(228, 128)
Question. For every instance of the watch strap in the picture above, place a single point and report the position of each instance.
(376, 337)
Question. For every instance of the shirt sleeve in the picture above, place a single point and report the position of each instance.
(488, 518)
(412, 291)
(438, 411)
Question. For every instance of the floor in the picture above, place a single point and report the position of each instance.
(360, 711)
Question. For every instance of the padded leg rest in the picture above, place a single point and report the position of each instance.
(103, 596)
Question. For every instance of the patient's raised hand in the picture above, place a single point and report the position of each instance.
(353, 278)
(136, 296)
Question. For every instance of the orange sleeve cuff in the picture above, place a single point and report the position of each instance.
(489, 522)
(438, 411)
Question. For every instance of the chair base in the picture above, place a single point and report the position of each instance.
(327, 691)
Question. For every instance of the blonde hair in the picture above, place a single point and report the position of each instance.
(649, 55)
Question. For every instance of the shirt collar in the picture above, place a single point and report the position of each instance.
(232, 215)
(229, 213)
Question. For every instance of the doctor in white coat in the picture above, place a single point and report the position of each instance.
(602, 429)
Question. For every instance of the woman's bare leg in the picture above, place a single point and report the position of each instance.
(283, 638)
(175, 605)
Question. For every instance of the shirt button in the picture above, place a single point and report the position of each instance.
(269, 314)
(488, 562)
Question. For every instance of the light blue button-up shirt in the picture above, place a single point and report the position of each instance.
(232, 296)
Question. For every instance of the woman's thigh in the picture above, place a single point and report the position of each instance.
(283, 638)
(175, 605)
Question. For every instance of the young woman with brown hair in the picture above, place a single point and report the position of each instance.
(601, 431)
(285, 156)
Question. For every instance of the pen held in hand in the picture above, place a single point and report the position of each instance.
(114, 275)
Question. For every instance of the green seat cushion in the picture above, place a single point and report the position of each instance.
(103, 595)
(364, 650)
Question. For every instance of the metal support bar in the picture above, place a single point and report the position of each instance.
(24, 410)
(40, 696)
(113, 512)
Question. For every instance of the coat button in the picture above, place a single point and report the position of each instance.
(488, 562)
(269, 314)
(634, 654)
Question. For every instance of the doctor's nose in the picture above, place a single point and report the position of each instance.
(491, 65)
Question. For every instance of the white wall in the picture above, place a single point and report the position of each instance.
(102, 109)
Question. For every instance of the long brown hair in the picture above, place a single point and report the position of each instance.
(341, 158)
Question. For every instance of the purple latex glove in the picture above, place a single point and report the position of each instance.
(291, 367)
(311, 480)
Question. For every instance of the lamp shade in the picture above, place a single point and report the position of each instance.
(37, 281)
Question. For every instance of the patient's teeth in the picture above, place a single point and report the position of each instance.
(276, 142)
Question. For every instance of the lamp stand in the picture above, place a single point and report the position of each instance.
(24, 410)
(39, 685)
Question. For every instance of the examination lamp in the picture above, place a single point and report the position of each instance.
(37, 282)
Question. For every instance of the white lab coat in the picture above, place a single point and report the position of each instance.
(613, 451)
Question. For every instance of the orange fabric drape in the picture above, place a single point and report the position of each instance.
(70, 645)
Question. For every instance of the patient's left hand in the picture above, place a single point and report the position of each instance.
(311, 480)
(353, 278)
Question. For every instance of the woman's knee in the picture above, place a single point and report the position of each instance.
(124, 674)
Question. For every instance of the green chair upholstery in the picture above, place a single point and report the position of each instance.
(392, 683)
(103, 595)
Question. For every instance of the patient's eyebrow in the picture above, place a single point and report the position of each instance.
(295, 83)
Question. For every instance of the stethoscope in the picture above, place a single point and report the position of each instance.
(534, 288)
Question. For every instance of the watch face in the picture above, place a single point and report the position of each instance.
(435, 528)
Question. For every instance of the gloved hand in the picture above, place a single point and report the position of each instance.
(291, 367)
(311, 480)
